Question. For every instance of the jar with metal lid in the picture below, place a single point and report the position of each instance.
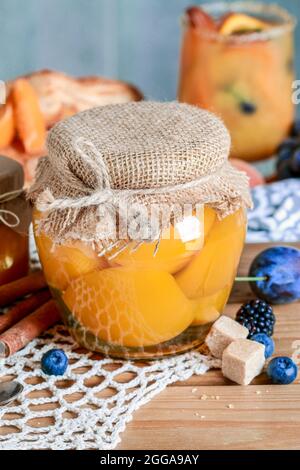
(140, 222)
(15, 218)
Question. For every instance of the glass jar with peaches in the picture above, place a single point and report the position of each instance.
(237, 60)
(151, 286)
(138, 304)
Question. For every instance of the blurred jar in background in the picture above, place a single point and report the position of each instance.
(15, 218)
(237, 60)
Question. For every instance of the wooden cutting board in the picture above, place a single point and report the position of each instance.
(209, 412)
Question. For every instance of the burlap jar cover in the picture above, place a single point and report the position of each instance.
(146, 153)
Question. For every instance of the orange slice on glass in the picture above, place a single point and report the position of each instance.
(239, 23)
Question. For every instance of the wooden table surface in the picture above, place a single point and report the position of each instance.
(209, 412)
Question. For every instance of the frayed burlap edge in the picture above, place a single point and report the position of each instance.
(225, 191)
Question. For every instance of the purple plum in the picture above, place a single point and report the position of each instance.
(280, 266)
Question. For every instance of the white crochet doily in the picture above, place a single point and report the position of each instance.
(106, 393)
(91, 404)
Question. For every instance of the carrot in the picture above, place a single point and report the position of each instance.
(29, 119)
(7, 125)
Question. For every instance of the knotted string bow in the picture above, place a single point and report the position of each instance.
(113, 201)
(6, 197)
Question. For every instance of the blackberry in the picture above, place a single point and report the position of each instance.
(257, 316)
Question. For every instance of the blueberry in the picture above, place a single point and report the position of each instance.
(266, 341)
(247, 108)
(280, 266)
(54, 362)
(282, 370)
(295, 131)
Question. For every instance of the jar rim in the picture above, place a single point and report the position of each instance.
(287, 21)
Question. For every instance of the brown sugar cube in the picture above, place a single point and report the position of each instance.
(243, 360)
(222, 333)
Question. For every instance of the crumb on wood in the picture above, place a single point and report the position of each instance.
(211, 397)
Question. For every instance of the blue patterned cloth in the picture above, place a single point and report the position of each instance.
(276, 213)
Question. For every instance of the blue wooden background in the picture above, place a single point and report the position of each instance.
(134, 40)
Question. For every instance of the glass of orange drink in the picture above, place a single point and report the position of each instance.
(237, 61)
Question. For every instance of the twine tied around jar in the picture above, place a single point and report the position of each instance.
(138, 155)
(112, 200)
(6, 197)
